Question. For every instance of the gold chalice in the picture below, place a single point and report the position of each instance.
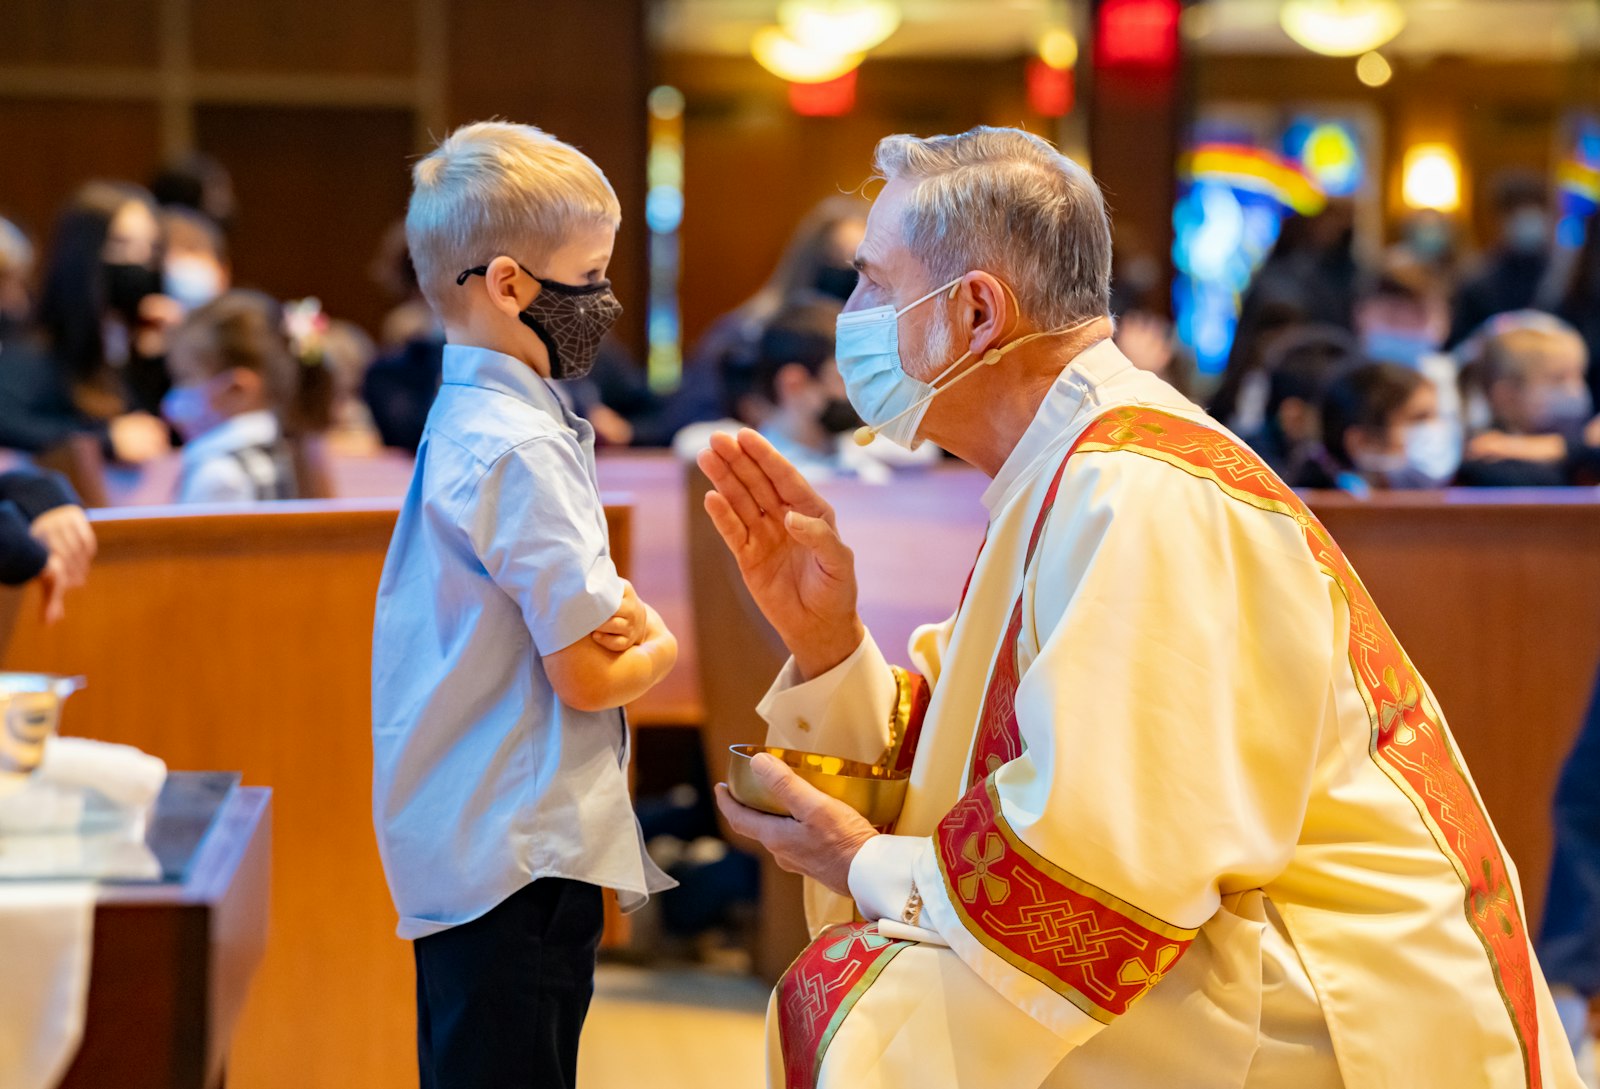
(876, 793)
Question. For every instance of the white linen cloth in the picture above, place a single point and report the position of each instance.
(46, 933)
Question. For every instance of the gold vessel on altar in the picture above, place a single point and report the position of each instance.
(876, 793)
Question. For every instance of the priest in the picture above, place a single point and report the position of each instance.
(1181, 811)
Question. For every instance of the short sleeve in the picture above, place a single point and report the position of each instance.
(536, 524)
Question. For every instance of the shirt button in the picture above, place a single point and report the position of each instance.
(805, 727)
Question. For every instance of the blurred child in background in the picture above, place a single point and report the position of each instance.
(1531, 371)
(239, 393)
(1381, 429)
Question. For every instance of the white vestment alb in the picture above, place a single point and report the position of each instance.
(1180, 809)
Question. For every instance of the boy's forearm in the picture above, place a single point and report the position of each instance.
(598, 679)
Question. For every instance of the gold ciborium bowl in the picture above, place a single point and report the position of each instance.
(876, 793)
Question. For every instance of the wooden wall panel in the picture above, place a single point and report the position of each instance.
(581, 71)
(89, 32)
(316, 189)
(349, 37)
(67, 143)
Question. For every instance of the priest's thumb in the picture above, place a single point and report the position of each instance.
(815, 533)
(794, 792)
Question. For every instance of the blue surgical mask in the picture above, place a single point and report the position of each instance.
(1433, 453)
(1390, 346)
(890, 401)
(189, 409)
(1558, 411)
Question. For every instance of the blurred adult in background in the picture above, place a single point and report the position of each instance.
(1403, 317)
(811, 421)
(241, 397)
(1310, 275)
(1300, 367)
(1380, 427)
(101, 321)
(16, 273)
(1432, 239)
(198, 181)
(1580, 301)
(194, 264)
(409, 318)
(818, 259)
(1513, 271)
(1532, 370)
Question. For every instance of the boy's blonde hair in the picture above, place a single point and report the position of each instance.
(493, 188)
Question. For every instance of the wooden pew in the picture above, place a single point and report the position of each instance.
(240, 639)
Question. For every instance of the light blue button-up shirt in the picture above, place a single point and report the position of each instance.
(483, 780)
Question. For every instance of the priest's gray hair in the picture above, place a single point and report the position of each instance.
(1006, 202)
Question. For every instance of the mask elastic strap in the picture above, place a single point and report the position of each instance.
(865, 435)
(904, 310)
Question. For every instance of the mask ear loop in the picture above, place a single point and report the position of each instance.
(865, 435)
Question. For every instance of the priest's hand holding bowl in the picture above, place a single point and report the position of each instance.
(819, 840)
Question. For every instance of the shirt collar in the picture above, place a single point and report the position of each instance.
(1062, 404)
(465, 365)
(240, 432)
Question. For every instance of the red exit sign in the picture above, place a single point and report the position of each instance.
(1137, 34)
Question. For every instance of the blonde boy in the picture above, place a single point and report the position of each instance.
(505, 643)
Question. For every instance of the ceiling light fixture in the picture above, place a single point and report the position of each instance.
(839, 26)
(1342, 28)
(796, 62)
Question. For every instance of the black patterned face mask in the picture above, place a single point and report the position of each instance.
(569, 320)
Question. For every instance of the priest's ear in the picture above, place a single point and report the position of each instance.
(987, 310)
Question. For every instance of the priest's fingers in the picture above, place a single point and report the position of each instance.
(793, 489)
(751, 474)
(822, 541)
(747, 822)
(735, 534)
(729, 486)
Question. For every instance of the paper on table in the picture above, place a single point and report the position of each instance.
(45, 945)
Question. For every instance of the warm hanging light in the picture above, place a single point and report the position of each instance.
(839, 26)
(797, 62)
(1431, 177)
(1342, 28)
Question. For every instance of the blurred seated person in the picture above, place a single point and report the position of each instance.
(198, 181)
(1381, 430)
(44, 535)
(101, 323)
(1147, 339)
(616, 398)
(1403, 317)
(1300, 367)
(1532, 369)
(1580, 301)
(1432, 239)
(1514, 270)
(410, 318)
(1310, 275)
(239, 396)
(348, 352)
(194, 265)
(16, 273)
(819, 259)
